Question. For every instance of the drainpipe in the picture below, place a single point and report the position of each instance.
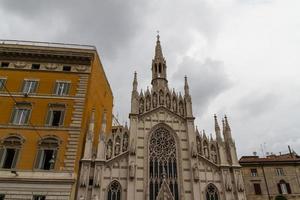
(263, 170)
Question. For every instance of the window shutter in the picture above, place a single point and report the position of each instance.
(67, 85)
(55, 88)
(38, 159)
(49, 116)
(15, 160)
(13, 115)
(2, 151)
(288, 187)
(279, 188)
(62, 117)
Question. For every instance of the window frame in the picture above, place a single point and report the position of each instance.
(30, 80)
(18, 106)
(37, 196)
(11, 141)
(255, 189)
(3, 84)
(55, 145)
(56, 87)
(56, 107)
(252, 173)
(279, 172)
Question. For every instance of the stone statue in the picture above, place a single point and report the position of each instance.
(117, 146)
(196, 172)
(161, 98)
(132, 170)
(168, 101)
(109, 150)
(240, 185)
(174, 105)
(125, 142)
(193, 150)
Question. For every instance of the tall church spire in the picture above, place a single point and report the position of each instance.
(159, 68)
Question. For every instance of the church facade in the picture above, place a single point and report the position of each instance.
(161, 155)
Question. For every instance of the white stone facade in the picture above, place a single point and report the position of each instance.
(161, 155)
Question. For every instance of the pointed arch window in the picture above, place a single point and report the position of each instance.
(141, 107)
(154, 100)
(161, 97)
(9, 151)
(162, 162)
(174, 103)
(148, 103)
(212, 192)
(168, 101)
(114, 191)
(109, 148)
(181, 109)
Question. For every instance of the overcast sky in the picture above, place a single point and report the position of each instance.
(241, 56)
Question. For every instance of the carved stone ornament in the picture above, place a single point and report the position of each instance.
(240, 185)
(97, 178)
(20, 65)
(228, 184)
(51, 66)
(84, 177)
(81, 68)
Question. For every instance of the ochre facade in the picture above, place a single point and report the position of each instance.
(87, 90)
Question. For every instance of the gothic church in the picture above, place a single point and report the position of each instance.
(161, 155)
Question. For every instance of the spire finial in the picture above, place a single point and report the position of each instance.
(135, 83)
(157, 36)
(186, 86)
(217, 128)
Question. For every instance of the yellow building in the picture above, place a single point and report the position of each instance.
(48, 93)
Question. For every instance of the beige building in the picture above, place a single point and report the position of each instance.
(271, 177)
(161, 155)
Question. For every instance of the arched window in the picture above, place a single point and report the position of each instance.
(174, 103)
(154, 100)
(162, 161)
(117, 145)
(168, 101)
(9, 151)
(212, 192)
(284, 187)
(47, 153)
(114, 191)
(161, 97)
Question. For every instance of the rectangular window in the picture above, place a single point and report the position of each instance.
(21, 113)
(39, 197)
(253, 172)
(2, 83)
(67, 68)
(46, 159)
(9, 158)
(29, 86)
(62, 88)
(35, 66)
(257, 188)
(56, 115)
(279, 172)
(4, 64)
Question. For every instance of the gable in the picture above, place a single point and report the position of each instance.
(161, 113)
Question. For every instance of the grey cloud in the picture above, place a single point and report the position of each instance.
(207, 80)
